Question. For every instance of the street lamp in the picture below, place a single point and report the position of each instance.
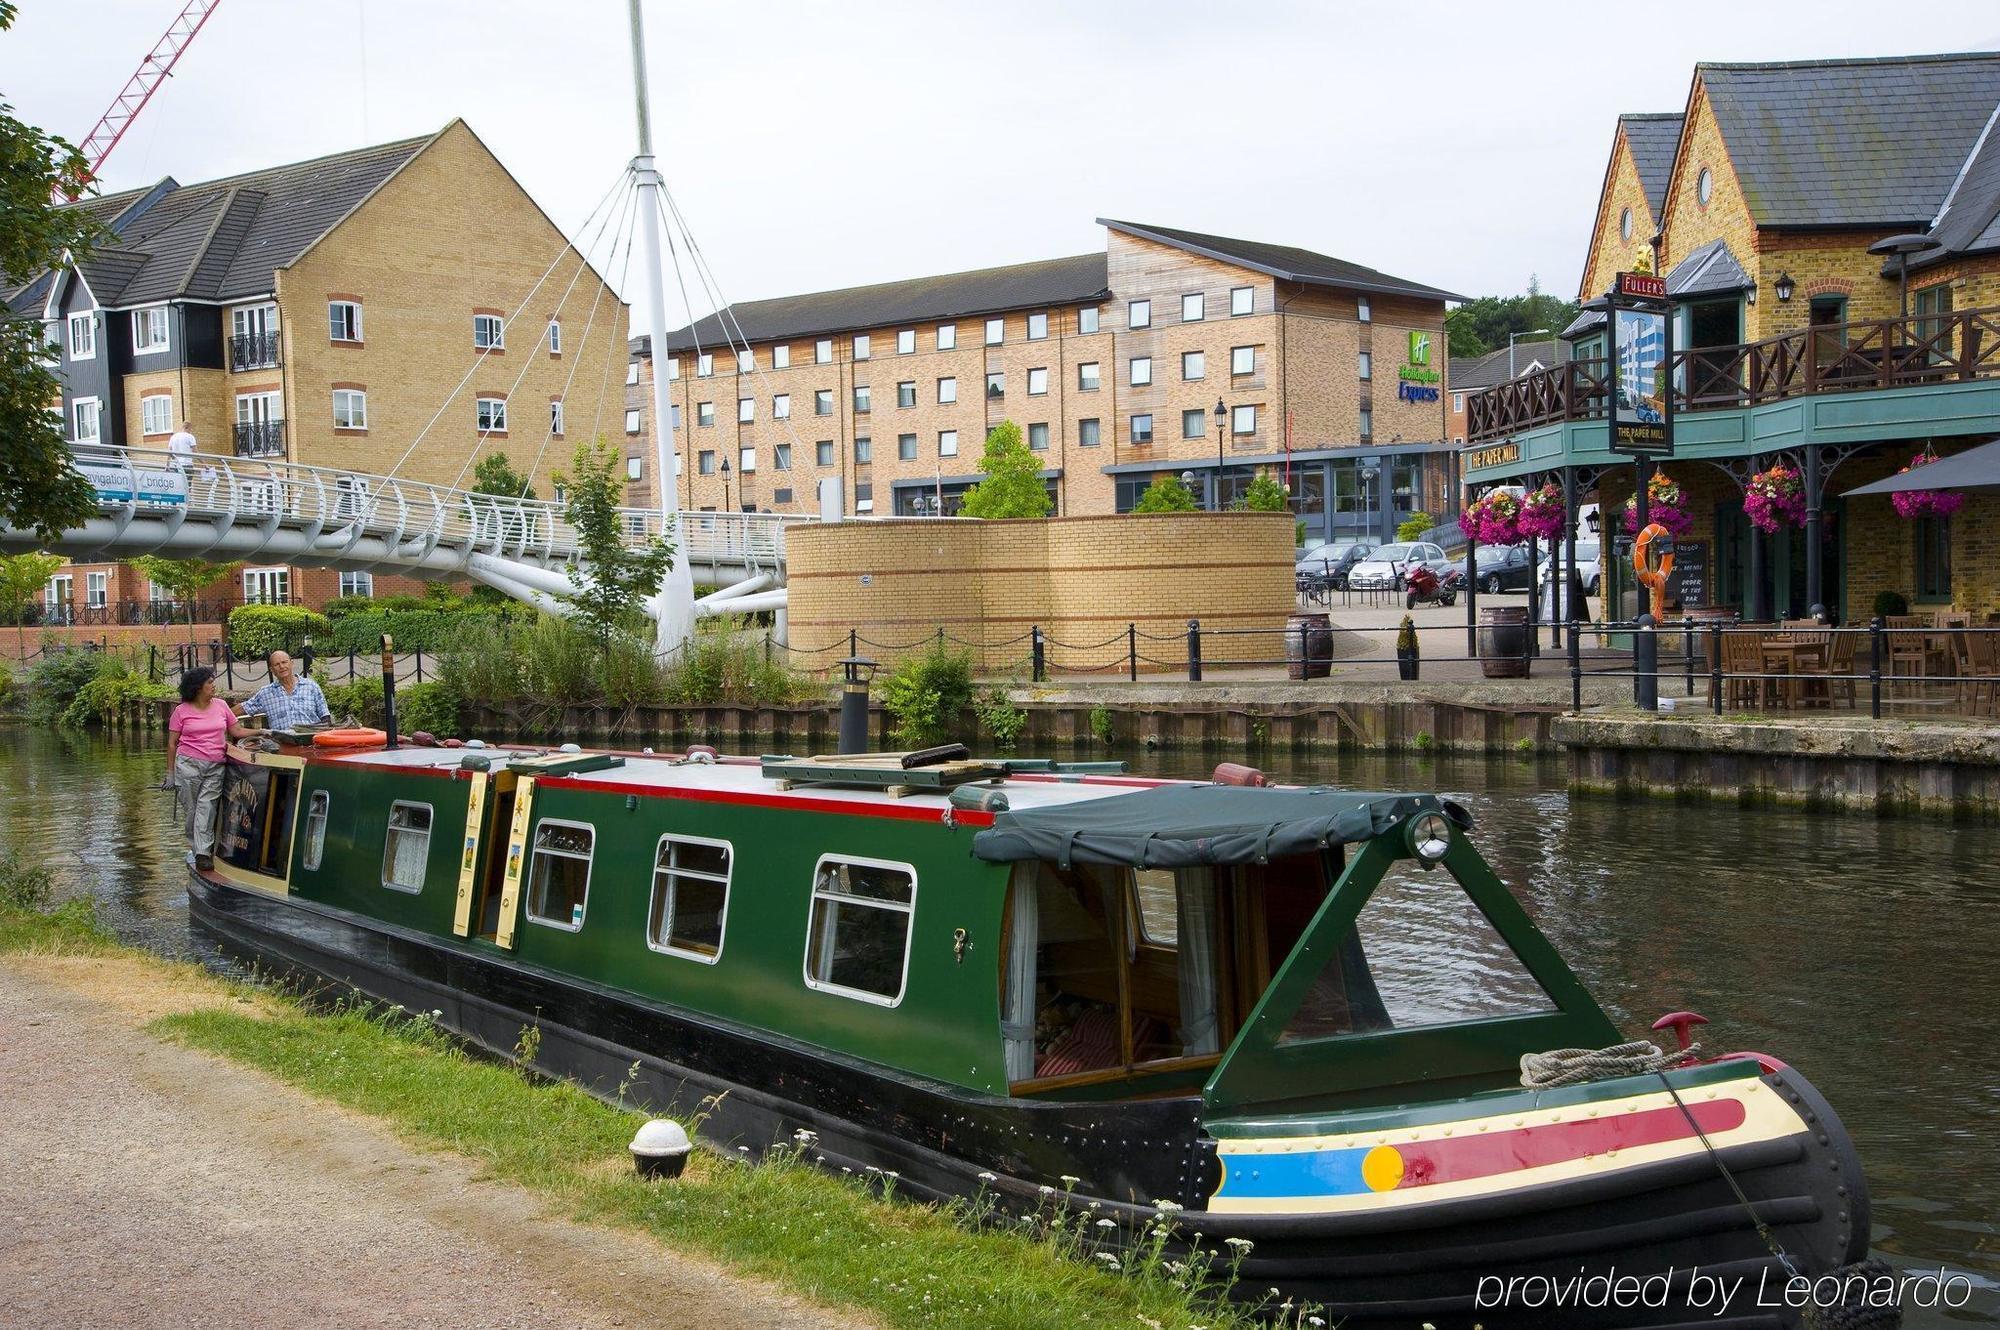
(1368, 477)
(1187, 481)
(1513, 337)
(1595, 521)
(725, 484)
(1221, 419)
(1784, 287)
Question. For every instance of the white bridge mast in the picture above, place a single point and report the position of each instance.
(674, 608)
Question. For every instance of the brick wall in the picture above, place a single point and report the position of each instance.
(1611, 251)
(1081, 579)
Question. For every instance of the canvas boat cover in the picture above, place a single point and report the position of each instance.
(1180, 826)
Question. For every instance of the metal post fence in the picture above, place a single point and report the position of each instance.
(1575, 668)
(1132, 641)
(1875, 667)
(1687, 656)
(229, 665)
(1038, 655)
(1715, 665)
(1194, 650)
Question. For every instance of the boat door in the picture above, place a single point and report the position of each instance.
(489, 816)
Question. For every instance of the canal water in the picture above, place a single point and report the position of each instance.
(1860, 950)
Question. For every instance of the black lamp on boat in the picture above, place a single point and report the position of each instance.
(859, 672)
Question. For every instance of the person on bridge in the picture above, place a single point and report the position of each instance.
(180, 448)
(288, 700)
(196, 733)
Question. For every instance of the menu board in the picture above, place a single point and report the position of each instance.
(1688, 587)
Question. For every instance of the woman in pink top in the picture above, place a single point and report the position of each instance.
(197, 731)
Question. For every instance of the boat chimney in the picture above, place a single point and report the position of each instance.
(859, 671)
(389, 688)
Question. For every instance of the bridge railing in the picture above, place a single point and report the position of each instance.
(344, 506)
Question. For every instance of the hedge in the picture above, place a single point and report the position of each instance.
(257, 629)
(433, 707)
(412, 629)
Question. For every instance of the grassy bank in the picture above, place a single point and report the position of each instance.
(828, 1237)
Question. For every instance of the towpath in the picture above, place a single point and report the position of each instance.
(146, 1184)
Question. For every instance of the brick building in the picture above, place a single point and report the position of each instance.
(1800, 336)
(1472, 374)
(324, 313)
(1113, 364)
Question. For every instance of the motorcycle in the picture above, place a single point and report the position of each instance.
(1421, 586)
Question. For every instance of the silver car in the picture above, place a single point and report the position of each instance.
(1385, 569)
(1588, 569)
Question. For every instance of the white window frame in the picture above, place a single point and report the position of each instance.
(1139, 314)
(632, 420)
(389, 830)
(87, 321)
(143, 318)
(727, 880)
(1242, 300)
(76, 406)
(494, 327)
(145, 403)
(318, 806)
(906, 341)
(555, 337)
(1198, 302)
(353, 394)
(632, 371)
(357, 584)
(274, 583)
(535, 855)
(495, 420)
(947, 337)
(556, 416)
(996, 332)
(353, 321)
(52, 342)
(947, 390)
(96, 590)
(1133, 370)
(909, 928)
(781, 356)
(1458, 403)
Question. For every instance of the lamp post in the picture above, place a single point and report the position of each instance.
(1513, 337)
(725, 484)
(1368, 476)
(1187, 481)
(1901, 248)
(1221, 420)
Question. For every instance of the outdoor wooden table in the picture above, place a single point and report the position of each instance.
(1800, 662)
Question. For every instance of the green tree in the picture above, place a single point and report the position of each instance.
(1013, 485)
(494, 474)
(1414, 526)
(184, 579)
(22, 577)
(611, 579)
(39, 488)
(1165, 495)
(1482, 325)
(1265, 495)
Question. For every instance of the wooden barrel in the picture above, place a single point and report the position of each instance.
(1308, 646)
(1503, 641)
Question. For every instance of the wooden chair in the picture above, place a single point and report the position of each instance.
(1840, 680)
(1908, 653)
(1982, 672)
(1743, 669)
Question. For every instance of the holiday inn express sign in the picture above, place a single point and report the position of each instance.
(1416, 380)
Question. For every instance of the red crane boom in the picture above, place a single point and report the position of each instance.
(139, 89)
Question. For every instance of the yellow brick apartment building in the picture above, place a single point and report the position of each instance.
(368, 311)
(1328, 374)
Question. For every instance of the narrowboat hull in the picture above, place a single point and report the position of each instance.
(1445, 1261)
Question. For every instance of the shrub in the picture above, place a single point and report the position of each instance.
(1265, 495)
(107, 696)
(928, 694)
(1100, 724)
(482, 661)
(1165, 495)
(416, 627)
(54, 681)
(559, 663)
(257, 629)
(1888, 603)
(1414, 526)
(433, 707)
(341, 606)
(360, 701)
(24, 883)
(7, 695)
(726, 662)
(999, 717)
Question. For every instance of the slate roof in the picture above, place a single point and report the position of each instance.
(1871, 142)
(1968, 221)
(914, 300)
(224, 239)
(1653, 138)
(1710, 270)
(1285, 261)
(1470, 373)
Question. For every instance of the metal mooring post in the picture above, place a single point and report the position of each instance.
(1875, 667)
(1132, 648)
(1575, 668)
(1194, 650)
(1038, 655)
(858, 670)
(1646, 664)
(306, 658)
(389, 688)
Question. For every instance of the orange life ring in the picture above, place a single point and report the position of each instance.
(356, 738)
(1653, 561)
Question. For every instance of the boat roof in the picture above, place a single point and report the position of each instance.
(1093, 818)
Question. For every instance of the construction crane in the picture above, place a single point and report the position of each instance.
(139, 89)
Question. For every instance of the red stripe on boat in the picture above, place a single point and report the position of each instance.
(964, 817)
(1458, 1158)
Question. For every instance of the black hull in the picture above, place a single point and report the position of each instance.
(1402, 1267)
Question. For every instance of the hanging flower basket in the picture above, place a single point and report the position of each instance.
(1775, 499)
(1542, 516)
(1666, 505)
(1925, 503)
(1492, 519)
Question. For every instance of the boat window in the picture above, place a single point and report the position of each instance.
(406, 846)
(316, 828)
(1421, 953)
(559, 878)
(859, 939)
(690, 897)
(1154, 897)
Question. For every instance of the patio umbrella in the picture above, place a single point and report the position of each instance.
(1975, 468)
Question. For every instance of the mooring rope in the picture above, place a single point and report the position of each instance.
(1575, 1066)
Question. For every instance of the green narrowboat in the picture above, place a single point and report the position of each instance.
(1285, 1015)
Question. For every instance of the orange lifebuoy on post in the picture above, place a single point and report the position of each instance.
(355, 738)
(1653, 561)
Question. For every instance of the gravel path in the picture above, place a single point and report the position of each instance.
(147, 1185)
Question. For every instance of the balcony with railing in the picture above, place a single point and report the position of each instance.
(1920, 351)
(260, 438)
(253, 351)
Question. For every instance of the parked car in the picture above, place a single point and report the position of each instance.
(1332, 560)
(1588, 569)
(1502, 568)
(1385, 568)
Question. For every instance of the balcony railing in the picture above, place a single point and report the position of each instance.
(260, 438)
(1848, 357)
(253, 351)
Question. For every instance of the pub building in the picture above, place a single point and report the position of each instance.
(1829, 233)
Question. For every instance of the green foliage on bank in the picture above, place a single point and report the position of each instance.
(927, 695)
(1011, 484)
(31, 919)
(436, 706)
(78, 688)
(1414, 526)
(255, 630)
(1165, 495)
(423, 628)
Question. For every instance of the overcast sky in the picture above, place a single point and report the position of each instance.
(830, 144)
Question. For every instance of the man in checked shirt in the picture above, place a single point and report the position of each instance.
(287, 700)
